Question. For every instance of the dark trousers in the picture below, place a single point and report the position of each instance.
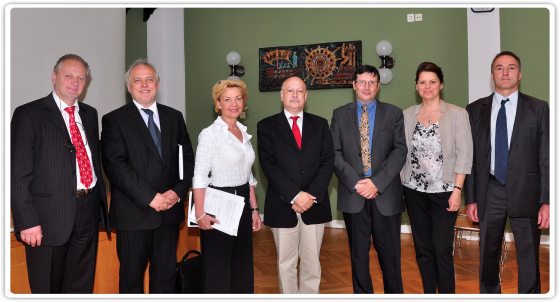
(69, 268)
(386, 233)
(432, 231)
(227, 261)
(135, 248)
(527, 240)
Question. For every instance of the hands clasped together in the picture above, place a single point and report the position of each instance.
(164, 201)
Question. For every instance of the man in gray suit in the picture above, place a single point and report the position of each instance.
(370, 150)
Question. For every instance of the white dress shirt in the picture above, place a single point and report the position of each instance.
(300, 125)
(299, 120)
(511, 110)
(62, 106)
(145, 116)
(221, 159)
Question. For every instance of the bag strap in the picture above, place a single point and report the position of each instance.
(190, 252)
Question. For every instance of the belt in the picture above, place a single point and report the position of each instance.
(83, 192)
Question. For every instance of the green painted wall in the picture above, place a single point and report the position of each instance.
(526, 32)
(211, 33)
(136, 44)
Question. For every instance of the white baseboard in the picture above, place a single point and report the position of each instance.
(467, 235)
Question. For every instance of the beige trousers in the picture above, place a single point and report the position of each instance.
(303, 242)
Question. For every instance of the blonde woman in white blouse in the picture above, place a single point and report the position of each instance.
(224, 158)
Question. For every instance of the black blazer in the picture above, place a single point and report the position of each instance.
(43, 169)
(528, 174)
(136, 170)
(388, 153)
(290, 170)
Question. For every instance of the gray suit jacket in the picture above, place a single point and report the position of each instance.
(388, 153)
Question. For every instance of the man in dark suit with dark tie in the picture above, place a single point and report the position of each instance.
(370, 150)
(140, 147)
(296, 155)
(510, 174)
(58, 198)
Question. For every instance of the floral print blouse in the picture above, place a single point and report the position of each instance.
(427, 160)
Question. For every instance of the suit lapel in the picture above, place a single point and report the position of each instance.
(353, 120)
(165, 124)
(284, 128)
(87, 120)
(135, 119)
(485, 116)
(520, 115)
(308, 130)
(379, 120)
(56, 117)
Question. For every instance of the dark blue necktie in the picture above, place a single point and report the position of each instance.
(501, 148)
(154, 131)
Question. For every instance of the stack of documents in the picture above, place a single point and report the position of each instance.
(227, 208)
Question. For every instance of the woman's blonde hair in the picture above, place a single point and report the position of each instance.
(220, 88)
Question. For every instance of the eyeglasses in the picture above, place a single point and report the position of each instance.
(363, 83)
(84, 137)
(291, 91)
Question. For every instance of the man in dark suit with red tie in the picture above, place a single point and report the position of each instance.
(510, 174)
(296, 155)
(58, 197)
(140, 147)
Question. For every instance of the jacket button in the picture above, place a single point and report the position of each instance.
(301, 153)
(74, 172)
(302, 172)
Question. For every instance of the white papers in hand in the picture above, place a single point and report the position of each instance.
(180, 162)
(227, 208)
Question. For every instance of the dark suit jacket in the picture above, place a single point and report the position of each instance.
(136, 170)
(528, 174)
(388, 153)
(290, 170)
(43, 169)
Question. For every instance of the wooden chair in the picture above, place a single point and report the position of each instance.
(464, 223)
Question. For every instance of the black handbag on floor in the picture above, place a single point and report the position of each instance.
(189, 274)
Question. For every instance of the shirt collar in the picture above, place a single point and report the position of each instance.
(289, 115)
(152, 107)
(369, 105)
(512, 98)
(220, 122)
(61, 105)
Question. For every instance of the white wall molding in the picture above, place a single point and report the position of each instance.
(483, 32)
(166, 51)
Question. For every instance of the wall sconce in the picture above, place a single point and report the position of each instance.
(233, 59)
(384, 49)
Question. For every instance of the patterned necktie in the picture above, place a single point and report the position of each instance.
(295, 130)
(81, 153)
(364, 139)
(154, 131)
(501, 148)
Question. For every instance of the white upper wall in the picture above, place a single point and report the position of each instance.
(483, 44)
(166, 51)
(39, 36)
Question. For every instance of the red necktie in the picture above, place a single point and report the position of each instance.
(81, 153)
(295, 130)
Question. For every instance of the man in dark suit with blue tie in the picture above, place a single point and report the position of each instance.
(370, 150)
(58, 197)
(140, 147)
(510, 174)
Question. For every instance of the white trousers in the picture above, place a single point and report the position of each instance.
(303, 242)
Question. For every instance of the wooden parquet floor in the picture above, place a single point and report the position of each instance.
(336, 271)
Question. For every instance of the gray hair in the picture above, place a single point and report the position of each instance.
(70, 56)
(136, 63)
